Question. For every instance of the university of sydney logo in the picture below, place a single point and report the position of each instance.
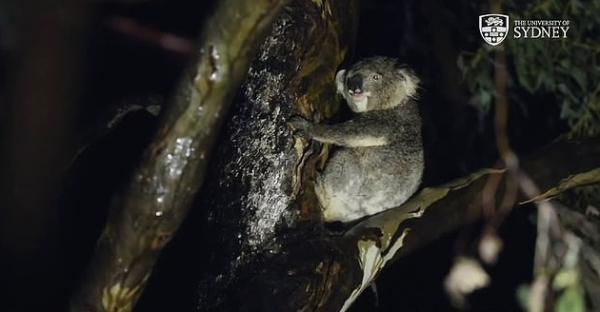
(493, 28)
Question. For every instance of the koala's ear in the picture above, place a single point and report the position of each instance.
(401, 68)
(410, 81)
(399, 65)
(339, 81)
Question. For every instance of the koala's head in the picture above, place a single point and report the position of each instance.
(377, 83)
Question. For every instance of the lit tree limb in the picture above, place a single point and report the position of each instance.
(162, 189)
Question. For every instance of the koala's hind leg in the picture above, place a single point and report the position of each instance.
(338, 188)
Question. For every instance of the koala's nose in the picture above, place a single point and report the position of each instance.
(355, 84)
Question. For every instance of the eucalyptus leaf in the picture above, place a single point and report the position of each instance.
(571, 300)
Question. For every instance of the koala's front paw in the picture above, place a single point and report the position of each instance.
(301, 125)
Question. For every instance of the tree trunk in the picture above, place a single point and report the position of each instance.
(258, 195)
(173, 169)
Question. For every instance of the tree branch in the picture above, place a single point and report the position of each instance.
(160, 193)
(331, 271)
(436, 211)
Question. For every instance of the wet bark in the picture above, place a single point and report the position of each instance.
(261, 204)
(160, 193)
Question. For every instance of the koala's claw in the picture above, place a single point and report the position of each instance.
(299, 124)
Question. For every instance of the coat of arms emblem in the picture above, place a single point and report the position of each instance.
(493, 28)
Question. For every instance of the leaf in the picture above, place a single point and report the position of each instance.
(523, 296)
(581, 179)
(465, 277)
(571, 300)
(565, 279)
(580, 77)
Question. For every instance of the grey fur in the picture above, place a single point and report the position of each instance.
(379, 164)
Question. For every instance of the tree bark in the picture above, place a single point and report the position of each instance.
(162, 189)
(258, 194)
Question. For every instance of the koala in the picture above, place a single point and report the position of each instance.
(379, 163)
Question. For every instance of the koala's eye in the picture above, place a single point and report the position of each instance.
(376, 76)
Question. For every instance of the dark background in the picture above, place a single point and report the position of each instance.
(119, 65)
